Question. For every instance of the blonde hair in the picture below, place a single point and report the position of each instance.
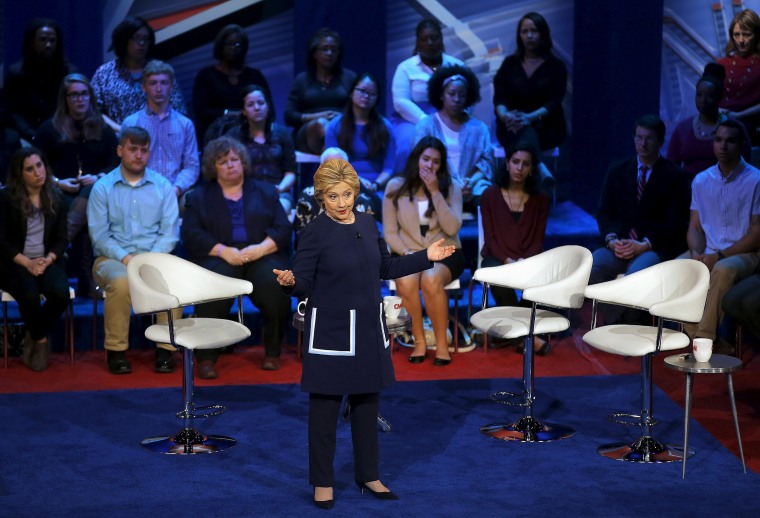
(330, 174)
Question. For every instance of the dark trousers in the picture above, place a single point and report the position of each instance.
(742, 302)
(323, 423)
(502, 296)
(267, 296)
(38, 317)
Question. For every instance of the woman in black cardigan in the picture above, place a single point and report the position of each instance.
(234, 225)
(32, 244)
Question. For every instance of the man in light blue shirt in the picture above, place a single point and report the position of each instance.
(131, 210)
(173, 148)
(724, 229)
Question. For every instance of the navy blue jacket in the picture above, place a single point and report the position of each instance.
(339, 268)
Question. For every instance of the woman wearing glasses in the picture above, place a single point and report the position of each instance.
(80, 148)
(118, 83)
(365, 135)
(219, 87)
(319, 93)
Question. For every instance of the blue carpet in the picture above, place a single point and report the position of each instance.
(78, 454)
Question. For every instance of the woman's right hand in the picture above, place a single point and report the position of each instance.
(430, 179)
(232, 256)
(285, 277)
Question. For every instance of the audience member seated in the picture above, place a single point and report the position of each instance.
(218, 87)
(742, 303)
(234, 225)
(420, 208)
(318, 93)
(691, 144)
(270, 146)
(742, 95)
(32, 84)
(308, 208)
(173, 148)
(514, 213)
(410, 85)
(724, 229)
(528, 90)
(131, 210)
(80, 148)
(365, 135)
(32, 244)
(118, 83)
(643, 213)
(452, 91)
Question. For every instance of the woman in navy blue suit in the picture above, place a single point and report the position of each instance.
(340, 261)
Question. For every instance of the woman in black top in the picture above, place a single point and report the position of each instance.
(32, 244)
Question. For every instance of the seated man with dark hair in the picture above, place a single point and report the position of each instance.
(643, 212)
(724, 229)
(131, 210)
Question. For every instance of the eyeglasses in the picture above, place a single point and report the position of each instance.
(235, 44)
(366, 93)
(78, 95)
(328, 48)
(638, 139)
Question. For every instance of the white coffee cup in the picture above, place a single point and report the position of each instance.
(302, 308)
(702, 349)
(392, 306)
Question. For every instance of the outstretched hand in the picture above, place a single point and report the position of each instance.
(438, 251)
(285, 277)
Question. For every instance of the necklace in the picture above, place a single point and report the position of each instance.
(350, 220)
(701, 131)
(520, 204)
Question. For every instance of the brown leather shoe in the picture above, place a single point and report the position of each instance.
(271, 363)
(207, 370)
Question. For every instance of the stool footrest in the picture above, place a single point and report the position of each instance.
(527, 429)
(630, 419)
(511, 399)
(202, 412)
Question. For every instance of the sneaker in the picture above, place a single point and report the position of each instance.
(118, 363)
(164, 361)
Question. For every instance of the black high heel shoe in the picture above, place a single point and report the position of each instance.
(323, 504)
(381, 495)
(417, 359)
(441, 362)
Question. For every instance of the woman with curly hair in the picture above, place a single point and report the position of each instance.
(32, 244)
(452, 91)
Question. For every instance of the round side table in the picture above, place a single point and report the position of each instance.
(718, 364)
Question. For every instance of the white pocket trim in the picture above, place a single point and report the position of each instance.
(383, 328)
(332, 352)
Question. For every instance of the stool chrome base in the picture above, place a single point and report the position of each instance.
(188, 442)
(645, 449)
(527, 429)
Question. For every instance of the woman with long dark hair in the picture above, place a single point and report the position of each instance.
(365, 135)
(514, 212)
(32, 244)
(420, 208)
(269, 145)
(319, 93)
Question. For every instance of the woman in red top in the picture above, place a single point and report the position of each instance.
(742, 63)
(514, 214)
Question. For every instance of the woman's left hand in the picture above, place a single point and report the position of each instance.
(285, 277)
(438, 251)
